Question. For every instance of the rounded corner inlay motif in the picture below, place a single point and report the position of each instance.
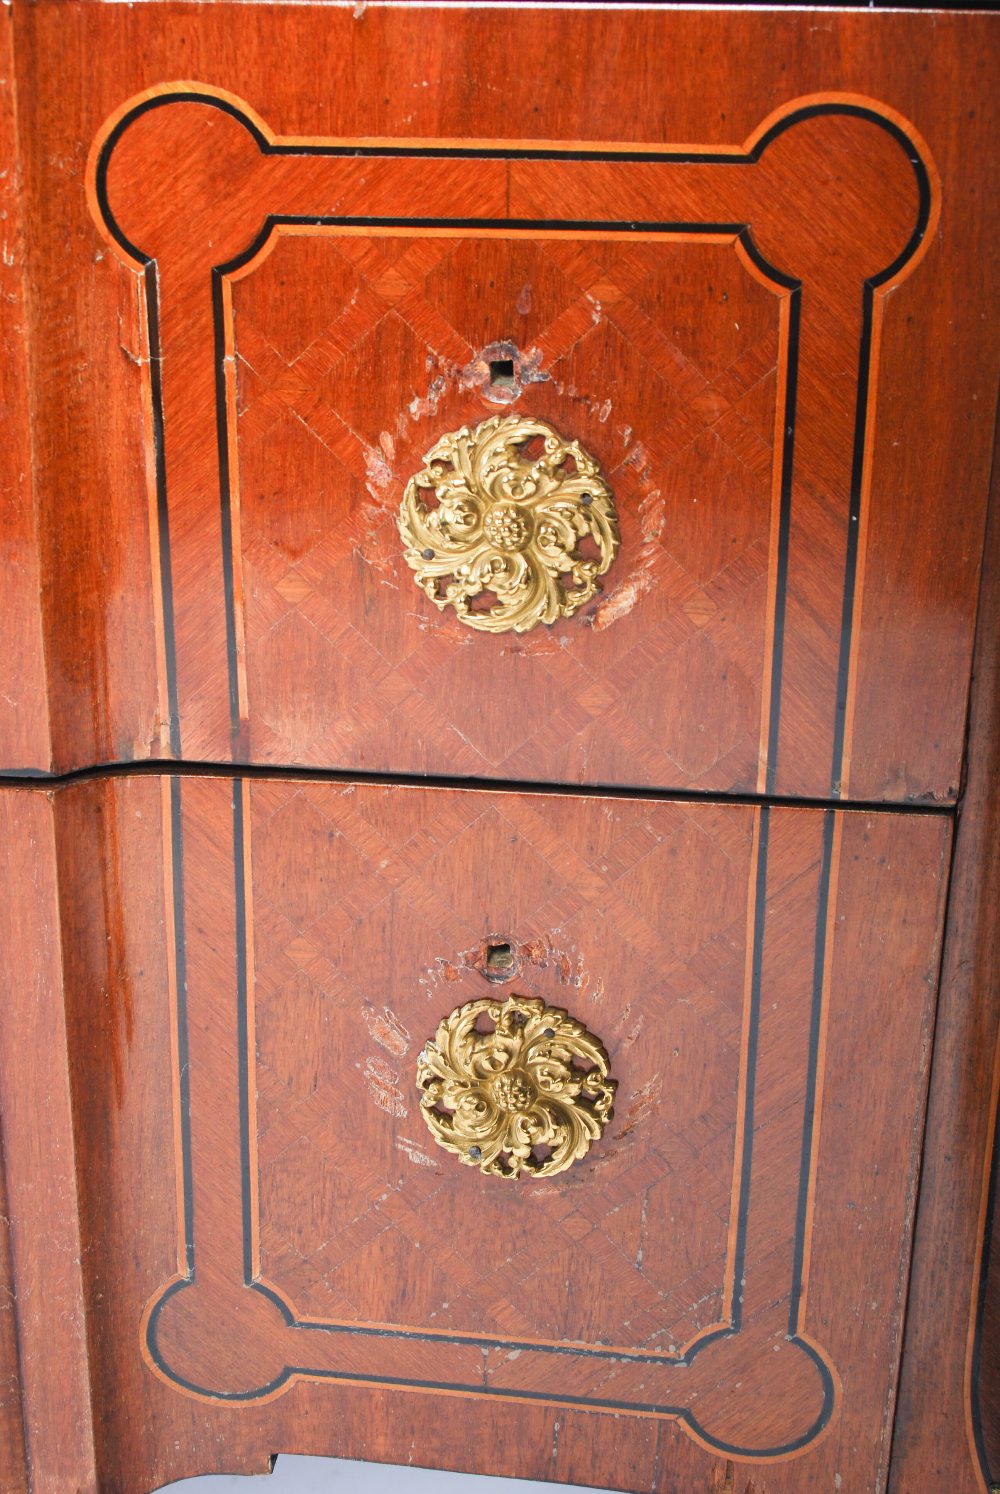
(515, 1087)
(509, 524)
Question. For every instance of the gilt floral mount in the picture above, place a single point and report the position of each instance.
(515, 1088)
(509, 524)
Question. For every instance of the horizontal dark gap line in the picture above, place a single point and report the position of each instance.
(166, 768)
(609, 153)
(560, 225)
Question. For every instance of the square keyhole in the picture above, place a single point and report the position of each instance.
(499, 958)
(499, 962)
(502, 372)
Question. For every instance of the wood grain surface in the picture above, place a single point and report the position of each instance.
(850, 678)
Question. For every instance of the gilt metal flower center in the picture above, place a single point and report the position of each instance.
(515, 1087)
(509, 524)
(512, 1092)
(506, 527)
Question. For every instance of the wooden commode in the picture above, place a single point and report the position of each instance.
(498, 744)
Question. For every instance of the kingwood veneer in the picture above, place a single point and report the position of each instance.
(731, 814)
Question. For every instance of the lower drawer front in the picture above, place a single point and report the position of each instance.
(278, 1253)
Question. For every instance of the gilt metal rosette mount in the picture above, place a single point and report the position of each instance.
(515, 1087)
(509, 524)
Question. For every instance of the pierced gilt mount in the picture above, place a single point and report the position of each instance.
(509, 524)
(515, 1087)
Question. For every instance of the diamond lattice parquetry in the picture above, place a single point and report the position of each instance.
(659, 360)
(353, 978)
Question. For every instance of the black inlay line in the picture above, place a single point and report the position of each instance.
(609, 154)
(457, 225)
(865, 374)
(975, 1359)
(162, 512)
(241, 831)
(666, 1410)
(291, 772)
(464, 225)
(242, 1027)
(387, 150)
(750, 1094)
(183, 1046)
(812, 1067)
(546, 1398)
(225, 501)
(469, 1340)
(550, 1398)
(784, 533)
(698, 226)
(513, 153)
(241, 838)
(763, 802)
(847, 617)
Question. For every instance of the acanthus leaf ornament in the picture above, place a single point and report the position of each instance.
(527, 1097)
(512, 511)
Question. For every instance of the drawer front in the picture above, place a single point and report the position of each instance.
(724, 294)
(276, 1252)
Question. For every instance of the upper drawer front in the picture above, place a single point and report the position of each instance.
(735, 331)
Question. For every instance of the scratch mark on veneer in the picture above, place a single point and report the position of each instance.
(379, 470)
(722, 1480)
(414, 1154)
(619, 603)
(382, 1084)
(643, 1217)
(643, 1102)
(626, 1034)
(387, 1030)
(633, 1032)
(420, 408)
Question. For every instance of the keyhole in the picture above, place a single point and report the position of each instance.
(502, 373)
(499, 957)
(499, 960)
